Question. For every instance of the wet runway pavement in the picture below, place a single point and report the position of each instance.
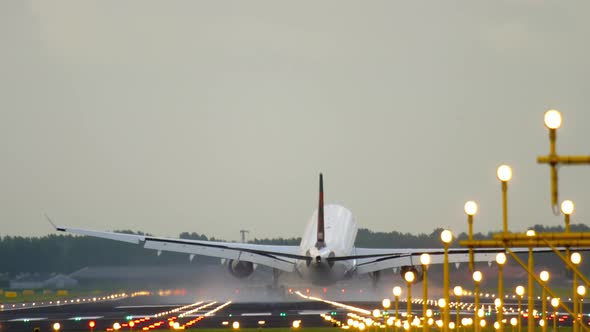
(149, 312)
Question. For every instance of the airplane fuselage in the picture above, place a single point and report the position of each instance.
(340, 234)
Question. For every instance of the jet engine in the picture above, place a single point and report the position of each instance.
(240, 269)
(418, 273)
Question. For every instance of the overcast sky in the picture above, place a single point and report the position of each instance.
(216, 116)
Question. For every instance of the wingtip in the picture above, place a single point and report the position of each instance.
(52, 223)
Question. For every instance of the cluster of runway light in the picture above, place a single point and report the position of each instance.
(336, 304)
(81, 300)
(381, 318)
(197, 319)
(172, 322)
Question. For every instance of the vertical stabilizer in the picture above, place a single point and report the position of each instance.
(321, 234)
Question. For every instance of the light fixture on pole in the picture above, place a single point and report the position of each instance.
(458, 291)
(544, 276)
(501, 260)
(567, 208)
(520, 294)
(397, 291)
(446, 236)
(576, 259)
(477, 277)
(504, 174)
(555, 304)
(470, 209)
(581, 290)
(425, 261)
(409, 276)
(553, 121)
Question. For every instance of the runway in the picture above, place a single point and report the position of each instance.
(146, 313)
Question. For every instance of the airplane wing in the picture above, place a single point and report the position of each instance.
(278, 257)
(372, 260)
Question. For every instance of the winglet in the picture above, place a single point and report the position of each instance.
(53, 224)
(321, 234)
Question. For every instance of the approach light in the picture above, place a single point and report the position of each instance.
(458, 290)
(552, 119)
(470, 208)
(446, 236)
(386, 303)
(425, 259)
(477, 276)
(567, 207)
(397, 291)
(576, 258)
(520, 290)
(544, 275)
(504, 173)
(501, 258)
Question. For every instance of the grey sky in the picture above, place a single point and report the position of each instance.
(214, 116)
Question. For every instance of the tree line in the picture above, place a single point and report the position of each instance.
(67, 253)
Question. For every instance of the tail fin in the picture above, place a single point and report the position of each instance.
(320, 235)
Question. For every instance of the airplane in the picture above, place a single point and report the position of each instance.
(326, 254)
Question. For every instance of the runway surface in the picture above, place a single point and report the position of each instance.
(146, 313)
(76, 317)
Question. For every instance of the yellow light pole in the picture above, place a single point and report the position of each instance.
(504, 174)
(531, 283)
(544, 276)
(409, 276)
(425, 261)
(446, 236)
(458, 291)
(555, 304)
(477, 276)
(386, 304)
(576, 259)
(501, 260)
(567, 208)
(442, 304)
(470, 209)
(552, 121)
(520, 294)
(397, 291)
(581, 290)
